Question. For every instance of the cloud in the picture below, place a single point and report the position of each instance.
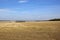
(8, 14)
(11, 14)
(7, 11)
(23, 1)
(11, 11)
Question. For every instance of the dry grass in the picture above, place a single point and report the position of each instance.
(30, 30)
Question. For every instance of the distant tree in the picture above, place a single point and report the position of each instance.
(54, 20)
(20, 21)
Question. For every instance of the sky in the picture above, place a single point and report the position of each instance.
(29, 9)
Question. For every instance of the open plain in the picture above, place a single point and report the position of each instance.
(46, 30)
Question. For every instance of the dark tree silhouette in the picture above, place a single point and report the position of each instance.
(54, 19)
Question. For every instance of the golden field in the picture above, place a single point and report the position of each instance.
(47, 30)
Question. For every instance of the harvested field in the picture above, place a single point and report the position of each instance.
(48, 30)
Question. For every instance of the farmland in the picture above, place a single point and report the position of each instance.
(46, 30)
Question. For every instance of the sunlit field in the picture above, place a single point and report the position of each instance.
(46, 30)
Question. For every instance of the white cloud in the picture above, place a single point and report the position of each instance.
(23, 1)
(11, 11)
(7, 11)
(8, 14)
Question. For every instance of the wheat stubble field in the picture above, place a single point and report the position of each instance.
(48, 30)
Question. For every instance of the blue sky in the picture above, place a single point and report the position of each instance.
(29, 9)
